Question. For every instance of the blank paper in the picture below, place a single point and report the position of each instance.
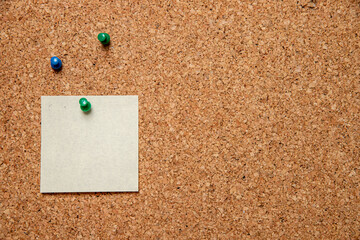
(95, 151)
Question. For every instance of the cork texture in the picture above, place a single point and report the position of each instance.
(248, 117)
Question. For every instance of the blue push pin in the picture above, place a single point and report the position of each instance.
(55, 63)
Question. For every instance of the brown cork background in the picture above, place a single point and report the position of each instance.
(248, 117)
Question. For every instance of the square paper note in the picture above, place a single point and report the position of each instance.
(95, 151)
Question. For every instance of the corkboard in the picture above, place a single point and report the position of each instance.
(248, 117)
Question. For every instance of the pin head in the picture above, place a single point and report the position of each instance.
(55, 63)
(85, 105)
(104, 38)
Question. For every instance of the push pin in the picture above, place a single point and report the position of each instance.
(104, 38)
(85, 105)
(55, 63)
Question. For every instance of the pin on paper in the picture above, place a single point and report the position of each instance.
(85, 105)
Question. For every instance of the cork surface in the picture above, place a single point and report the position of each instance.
(248, 117)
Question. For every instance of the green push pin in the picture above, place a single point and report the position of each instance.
(85, 105)
(104, 38)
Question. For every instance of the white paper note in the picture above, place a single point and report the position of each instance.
(95, 151)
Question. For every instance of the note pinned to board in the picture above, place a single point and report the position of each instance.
(95, 151)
